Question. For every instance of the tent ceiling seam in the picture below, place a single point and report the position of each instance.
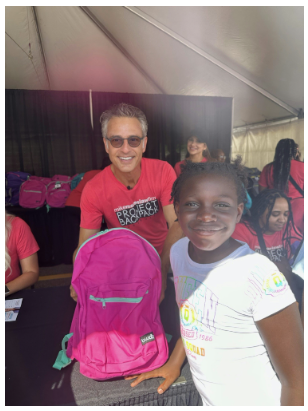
(30, 58)
(41, 44)
(121, 48)
(207, 56)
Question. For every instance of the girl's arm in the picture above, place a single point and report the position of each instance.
(29, 276)
(170, 371)
(283, 336)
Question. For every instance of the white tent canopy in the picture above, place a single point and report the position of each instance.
(253, 54)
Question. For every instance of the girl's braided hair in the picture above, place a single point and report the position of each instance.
(233, 171)
(266, 201)
(286, 150)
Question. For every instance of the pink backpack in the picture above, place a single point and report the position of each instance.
(116, 328)
(58, 190)
(32, 192)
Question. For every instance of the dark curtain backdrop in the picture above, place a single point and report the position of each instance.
(49, 132)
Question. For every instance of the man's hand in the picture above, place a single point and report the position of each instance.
(167, 371)
(73, 293)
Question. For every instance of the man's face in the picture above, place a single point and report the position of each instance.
(125, 158)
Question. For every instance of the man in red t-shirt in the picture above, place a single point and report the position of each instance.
(133, 192)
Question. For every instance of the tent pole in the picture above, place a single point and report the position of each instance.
(263, 125)
(41, 44)
(207, 56)
(121, 48)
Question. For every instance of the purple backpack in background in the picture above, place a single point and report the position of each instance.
(116, 328)
(58, 190)
(33, 192)
(13, 181)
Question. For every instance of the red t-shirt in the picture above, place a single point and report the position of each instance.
(75, 195)
(296, 171)
(21, 244)
(139, 209)
(177, 167)
(274, 244)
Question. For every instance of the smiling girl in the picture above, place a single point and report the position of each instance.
(240, 327)
(197, 151)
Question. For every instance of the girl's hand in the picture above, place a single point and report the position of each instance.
(168, 371)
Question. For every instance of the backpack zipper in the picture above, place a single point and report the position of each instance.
(117, 300)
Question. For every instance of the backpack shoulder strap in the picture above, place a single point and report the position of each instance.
(301, 191)
(62, 359)
(262, 243)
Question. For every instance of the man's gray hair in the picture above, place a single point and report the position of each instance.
(123, 110)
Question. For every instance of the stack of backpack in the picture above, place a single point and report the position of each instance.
(38, 191)
(34, 192)
(116, 328)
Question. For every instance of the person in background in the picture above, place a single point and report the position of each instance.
(73, 200)
(270, 230)
(20, 248)
(240, 326)
(218, 155)
(286, 173)
(134, 192)
(197, 151)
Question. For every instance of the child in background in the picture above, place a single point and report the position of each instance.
(197, 151)
(238, 314)
(269, 230)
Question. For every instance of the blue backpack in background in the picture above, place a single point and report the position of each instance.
(13, 181)
(76, 180)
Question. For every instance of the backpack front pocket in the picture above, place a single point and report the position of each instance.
(118, 334)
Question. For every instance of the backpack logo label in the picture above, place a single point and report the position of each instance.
(147, 338)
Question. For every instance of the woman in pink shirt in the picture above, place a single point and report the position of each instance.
(197, 151)
(20, 248)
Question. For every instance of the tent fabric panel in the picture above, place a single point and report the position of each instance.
(257, 147)
(193, 75)
(19, 70)
(264, 44)
(80, 57)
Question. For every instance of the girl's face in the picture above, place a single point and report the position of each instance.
(207, 211)
(278, 218)
(194, 147)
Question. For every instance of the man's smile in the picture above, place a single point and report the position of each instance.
(126, 158)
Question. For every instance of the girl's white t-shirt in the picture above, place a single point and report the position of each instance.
(219, 304)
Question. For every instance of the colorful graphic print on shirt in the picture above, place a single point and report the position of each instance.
(130, 214)
(198, 306)
(275, 284)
